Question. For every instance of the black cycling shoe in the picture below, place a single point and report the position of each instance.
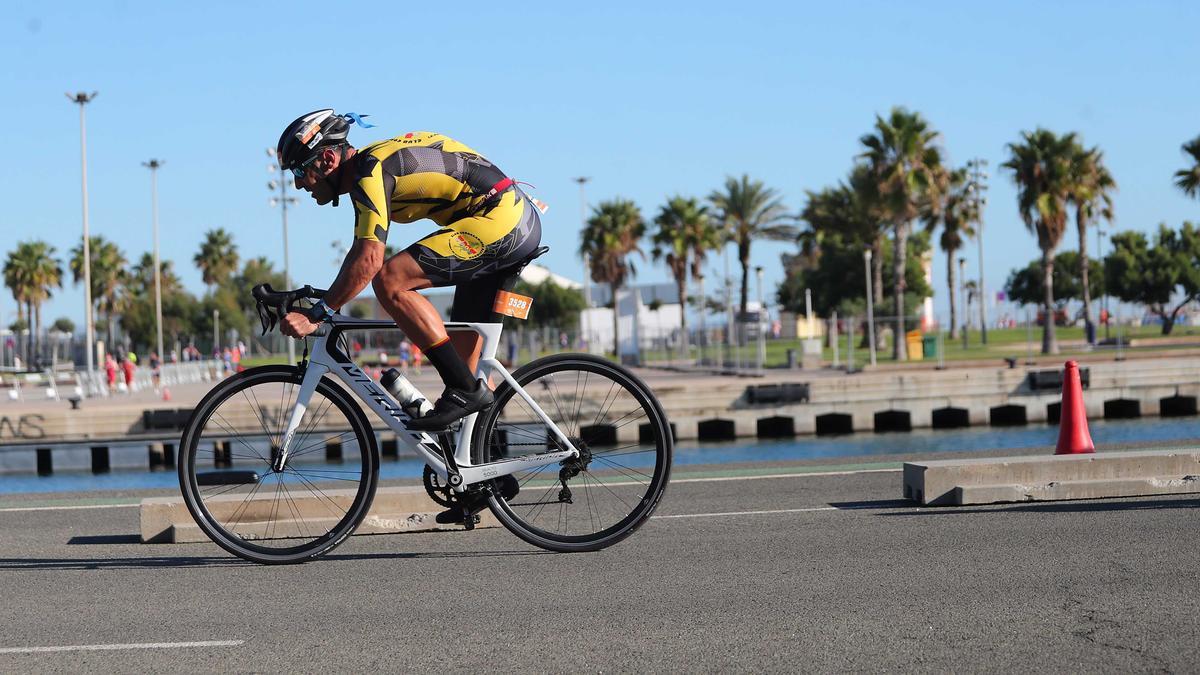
(506, 486)
(454, 405)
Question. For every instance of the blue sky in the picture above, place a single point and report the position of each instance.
(647, 99)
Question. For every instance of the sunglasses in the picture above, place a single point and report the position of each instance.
(302, 169)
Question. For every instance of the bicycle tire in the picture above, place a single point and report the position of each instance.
(520, 515)
(254, 546)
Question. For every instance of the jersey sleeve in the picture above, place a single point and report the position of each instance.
(371, 196)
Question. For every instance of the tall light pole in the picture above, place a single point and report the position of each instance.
(283, 200)
(587, 265)
(962, 297)
(762, 333)
(82, 100)
(977, 186)
(154, 165)
(870, 305)
(1100, 234)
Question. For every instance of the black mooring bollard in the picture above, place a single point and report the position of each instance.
(45, 462)
(100, 462)
(333, 451)
(156, 456)
(221, 454)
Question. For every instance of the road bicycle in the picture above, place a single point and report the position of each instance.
(279, 464)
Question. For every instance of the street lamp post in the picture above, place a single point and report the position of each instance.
(1100, 234)
(587, 266)
(82, 100)
(154, 165)
(283, 200)
(977, 186)
(870, 306)
(962, 298)
(762, 333)
(729, 329)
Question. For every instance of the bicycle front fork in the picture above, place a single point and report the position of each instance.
(312, 375)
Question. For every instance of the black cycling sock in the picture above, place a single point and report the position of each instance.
(451, 366)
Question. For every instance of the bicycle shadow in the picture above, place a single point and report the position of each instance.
(194, 561)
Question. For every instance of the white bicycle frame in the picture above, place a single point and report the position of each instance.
(326, 358)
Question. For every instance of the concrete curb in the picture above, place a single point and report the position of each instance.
(394, 510)
(1020, 479)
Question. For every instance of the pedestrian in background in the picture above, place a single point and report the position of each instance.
(155, 370)
(128, 366)
(110, 372)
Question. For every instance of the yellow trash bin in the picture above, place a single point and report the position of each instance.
(912, 340)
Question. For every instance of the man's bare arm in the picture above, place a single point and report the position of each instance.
(361, 265)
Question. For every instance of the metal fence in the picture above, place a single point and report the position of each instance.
(66, 384)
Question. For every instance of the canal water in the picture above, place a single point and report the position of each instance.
(875, 447)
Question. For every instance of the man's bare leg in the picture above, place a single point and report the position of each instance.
(396, 288)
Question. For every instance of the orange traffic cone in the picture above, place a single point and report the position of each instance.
(166, 394)
(1073, 436)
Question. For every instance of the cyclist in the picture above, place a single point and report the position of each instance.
(486, 225)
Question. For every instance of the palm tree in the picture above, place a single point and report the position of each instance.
(31, 272)
(851, 210)
(906, 164)
(958, 214)
(109, 275)
(1091, 193)
(1188, 179)
(685, 235)
(217, 258)
(1041, 166)
(750, 211)
(611, 234)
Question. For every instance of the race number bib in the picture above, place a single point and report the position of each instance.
(512, 304)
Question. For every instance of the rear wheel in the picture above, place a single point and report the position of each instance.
(236, 496)
(595, 500)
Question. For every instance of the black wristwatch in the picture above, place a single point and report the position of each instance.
(320, 312)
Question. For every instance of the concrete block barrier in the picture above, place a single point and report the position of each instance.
(395, 509)
(1052, 477)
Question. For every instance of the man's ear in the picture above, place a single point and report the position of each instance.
(331, 158)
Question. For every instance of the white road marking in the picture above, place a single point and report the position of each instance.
(105, 648)
(781, 475)
(721, 479)
(747, 513)
(67, 508)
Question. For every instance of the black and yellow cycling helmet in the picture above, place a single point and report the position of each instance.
(303, 139)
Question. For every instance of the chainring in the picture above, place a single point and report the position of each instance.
(437, 491)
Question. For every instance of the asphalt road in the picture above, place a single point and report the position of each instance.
(809, 573)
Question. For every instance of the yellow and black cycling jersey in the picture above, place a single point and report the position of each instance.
(422, 175)
(486, 222)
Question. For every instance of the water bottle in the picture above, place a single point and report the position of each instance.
(405, 393)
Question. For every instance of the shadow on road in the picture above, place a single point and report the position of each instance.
(116, 563)
(158, 562)
(105, 539)
(874, 504)
(1055, 507)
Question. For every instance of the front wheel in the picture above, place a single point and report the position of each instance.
(595, 500)
(230, 485)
